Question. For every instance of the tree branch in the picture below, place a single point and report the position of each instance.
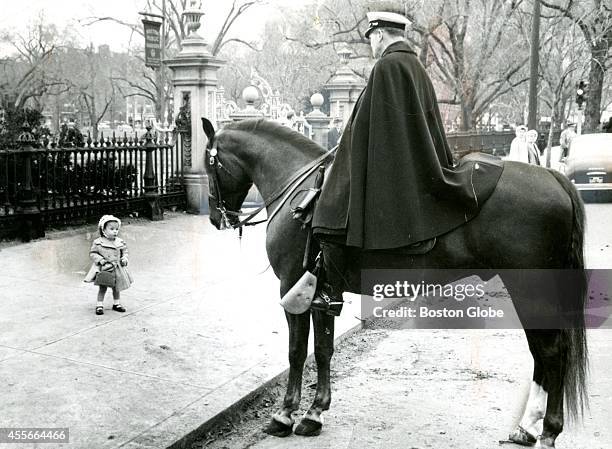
(240, 41)
(93, 20)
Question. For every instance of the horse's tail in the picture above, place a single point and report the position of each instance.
(573, 337)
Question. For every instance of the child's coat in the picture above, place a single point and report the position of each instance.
(111, 251)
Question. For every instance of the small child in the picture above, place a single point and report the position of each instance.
(109, 253)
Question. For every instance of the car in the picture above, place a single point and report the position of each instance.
(589, 166)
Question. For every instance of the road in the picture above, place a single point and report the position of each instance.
(418, 389)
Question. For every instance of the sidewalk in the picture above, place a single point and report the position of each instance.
(203, 329)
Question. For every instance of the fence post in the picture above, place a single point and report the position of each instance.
(32, 225)
(154, 210)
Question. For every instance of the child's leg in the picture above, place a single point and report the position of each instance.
(100, 303)
(117, 301)
(101, 294)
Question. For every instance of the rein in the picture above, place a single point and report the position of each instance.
(288, 187)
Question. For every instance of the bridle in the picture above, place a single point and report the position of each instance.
(288, 187)
(215, 165)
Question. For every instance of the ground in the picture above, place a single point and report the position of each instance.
(419, 389)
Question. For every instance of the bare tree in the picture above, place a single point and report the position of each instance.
(27, 75)
(91, 83)
(594, 19)
(470, 46)
(477, 55)
(558, 65)
(291, 69)
(153, 84)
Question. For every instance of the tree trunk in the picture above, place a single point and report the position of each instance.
(467, 115)
(56, 115)
(424, 49)
(556, 114)
(559, 110)
(93, 120)
(532, 121)
(596, 77)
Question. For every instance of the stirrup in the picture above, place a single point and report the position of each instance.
(325, 302)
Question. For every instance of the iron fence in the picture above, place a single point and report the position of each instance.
(495, 143)
(61, 185)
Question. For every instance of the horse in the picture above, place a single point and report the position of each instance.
(539, 205)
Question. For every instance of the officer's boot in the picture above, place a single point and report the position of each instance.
(329, 295)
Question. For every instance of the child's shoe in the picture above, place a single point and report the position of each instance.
(118, 308)
(99, 310)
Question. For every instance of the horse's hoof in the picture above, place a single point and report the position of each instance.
(546, 443)
(308, 428)
(278, 429)
(522, 437)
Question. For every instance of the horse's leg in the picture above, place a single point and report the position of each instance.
(281, 424)
(551, 351)
(529, 426)
(311, 423)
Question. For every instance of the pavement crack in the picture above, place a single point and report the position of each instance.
(135, 373)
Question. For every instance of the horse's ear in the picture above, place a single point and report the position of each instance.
(208, 128)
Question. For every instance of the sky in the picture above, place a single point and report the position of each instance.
(14, 18)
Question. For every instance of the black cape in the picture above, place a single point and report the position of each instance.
(393, 182)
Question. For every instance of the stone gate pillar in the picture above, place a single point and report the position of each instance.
(318, 120)
(195, 83)
(344, 88)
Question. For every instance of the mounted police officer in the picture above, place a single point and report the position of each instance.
(393, 183)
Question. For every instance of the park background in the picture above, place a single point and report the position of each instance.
(84, 62)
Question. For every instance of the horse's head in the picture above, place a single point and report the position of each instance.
(228, 183)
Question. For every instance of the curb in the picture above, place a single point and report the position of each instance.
(234, 409)
(187, 440)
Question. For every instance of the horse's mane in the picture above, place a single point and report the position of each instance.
(279, 131)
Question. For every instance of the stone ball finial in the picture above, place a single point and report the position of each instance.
(316, 100)
(250, 95)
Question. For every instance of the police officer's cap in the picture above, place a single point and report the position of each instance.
(384, 19)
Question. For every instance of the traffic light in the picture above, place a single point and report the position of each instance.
(581, 88)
